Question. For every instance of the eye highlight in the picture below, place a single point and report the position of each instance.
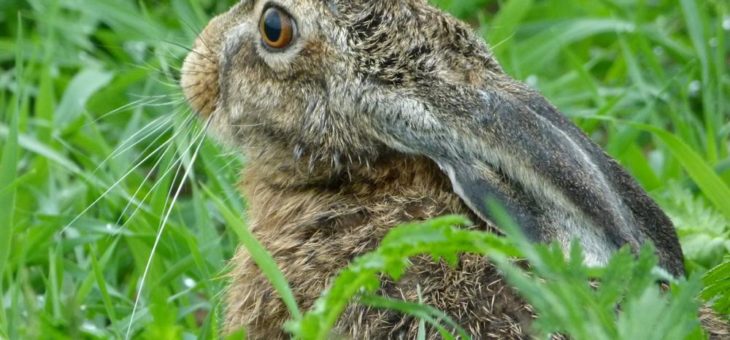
(277, 28)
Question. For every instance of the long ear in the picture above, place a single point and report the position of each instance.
(509, 144)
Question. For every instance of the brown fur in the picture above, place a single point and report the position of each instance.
(387, 111)
(313, 231)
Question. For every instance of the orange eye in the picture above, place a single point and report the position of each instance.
(277, 28)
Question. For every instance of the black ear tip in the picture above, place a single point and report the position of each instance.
(651, 220)
(672, 260)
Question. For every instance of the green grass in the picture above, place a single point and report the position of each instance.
(95, 138)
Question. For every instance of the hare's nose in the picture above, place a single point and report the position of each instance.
(199, 80)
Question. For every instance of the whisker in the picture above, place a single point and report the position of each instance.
(191, 63)
(139, 206)
(178, 100)
(168, 117)
(115, 184)
(195, 31)
(200, 38)
(158, 98)
(147, 66)
(118, 151)
(229, 164)
(247, 125)
(137, 103)
(197, 72)
(175, 79)
(152, 189)
(191, 50)
(175, 84)
(163, 223)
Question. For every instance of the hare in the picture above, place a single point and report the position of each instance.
(359, 115)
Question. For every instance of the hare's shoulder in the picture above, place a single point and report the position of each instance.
(314, 231)
(348, 212)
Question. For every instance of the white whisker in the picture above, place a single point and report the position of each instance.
(122, 148)
(229, 164)
(152, 189)
(163, 223)
(137, 103)
(115, 184)
(247, 125)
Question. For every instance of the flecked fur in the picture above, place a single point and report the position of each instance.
(387, 111)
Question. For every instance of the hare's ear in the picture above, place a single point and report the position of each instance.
(509, 144)
(476, 186)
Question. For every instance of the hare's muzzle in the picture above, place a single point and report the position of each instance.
(200, 71)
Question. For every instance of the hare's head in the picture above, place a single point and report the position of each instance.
(340, 82)
(324, 78)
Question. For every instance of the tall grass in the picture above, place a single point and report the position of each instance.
(96, 139)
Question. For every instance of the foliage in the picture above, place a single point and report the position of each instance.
(568, 302)
(560, 289)
(95, 139)
(436, 237)
(717, 287)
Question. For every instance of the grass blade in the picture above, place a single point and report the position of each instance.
(8, 176)
(697, 168)
(505, 23)
(259, 254)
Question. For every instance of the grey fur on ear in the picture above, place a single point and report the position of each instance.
(507, 143)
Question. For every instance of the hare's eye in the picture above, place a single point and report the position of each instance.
(277, 28)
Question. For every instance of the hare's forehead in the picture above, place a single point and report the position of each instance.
(336, 10)
(303, 8)
(309, 15)
(325, 14)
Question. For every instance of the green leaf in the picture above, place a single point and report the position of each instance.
(717, 191)
(83, 85)
(504, 25)
(8, 177)
(717, 287)
(535, 51)
(440, 237)
(33, 145)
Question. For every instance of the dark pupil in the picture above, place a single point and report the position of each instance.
(272, 26)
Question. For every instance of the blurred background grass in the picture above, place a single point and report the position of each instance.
(95, 135)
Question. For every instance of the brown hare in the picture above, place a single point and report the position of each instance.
(359, 115)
